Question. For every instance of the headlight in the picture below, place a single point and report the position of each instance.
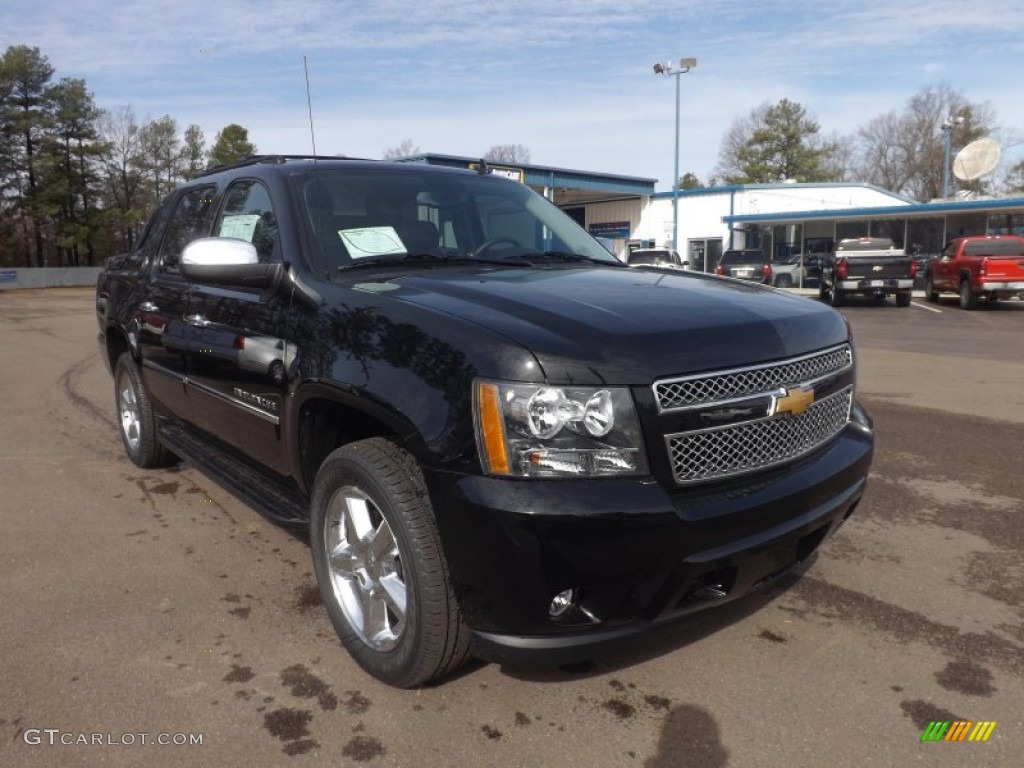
(530, 430)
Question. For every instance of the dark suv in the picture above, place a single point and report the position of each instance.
(747, 264)
(502, 440)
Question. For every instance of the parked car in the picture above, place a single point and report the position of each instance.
(746, 264)
(786, 273)
(501, 439)
(984, 266)
(870, 266)
(657, 257)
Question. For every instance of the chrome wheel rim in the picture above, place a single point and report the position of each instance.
(129, 408)
(365, 568)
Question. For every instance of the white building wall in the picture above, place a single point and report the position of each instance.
(617, 210)
(700, 215)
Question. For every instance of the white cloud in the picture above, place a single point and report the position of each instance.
(571, 80)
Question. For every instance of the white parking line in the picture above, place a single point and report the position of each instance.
(923, 306)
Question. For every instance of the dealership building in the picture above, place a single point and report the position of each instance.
(781, 219)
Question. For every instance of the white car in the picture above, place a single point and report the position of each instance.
(786, 274)
(265, 354)
(654, 257)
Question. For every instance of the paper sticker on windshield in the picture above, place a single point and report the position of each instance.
(239, 225)
(371, 241)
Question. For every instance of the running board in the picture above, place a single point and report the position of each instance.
(265, 495)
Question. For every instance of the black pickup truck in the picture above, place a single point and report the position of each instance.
(870, 266)
(502, 440)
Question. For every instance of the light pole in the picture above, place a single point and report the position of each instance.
(668, 68)
(947, 128)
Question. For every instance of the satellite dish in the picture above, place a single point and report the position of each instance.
(976, 159)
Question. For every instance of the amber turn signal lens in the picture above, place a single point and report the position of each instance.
(491, 432)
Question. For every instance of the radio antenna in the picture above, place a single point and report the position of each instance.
(309, 104)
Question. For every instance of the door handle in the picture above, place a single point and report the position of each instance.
(197, 320)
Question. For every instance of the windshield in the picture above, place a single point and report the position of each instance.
(363, 216)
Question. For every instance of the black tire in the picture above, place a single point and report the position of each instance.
(968, 299)
(136, 420)
(276, 372)
(903, 299)
(375, 486)
(929, 289)
(784, 281)
(837, 298)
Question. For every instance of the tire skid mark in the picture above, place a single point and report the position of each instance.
(833, 602)
(69, 381)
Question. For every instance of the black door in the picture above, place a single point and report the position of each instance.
(238, 371)
(159, 318)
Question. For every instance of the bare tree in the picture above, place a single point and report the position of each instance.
(904, 151)
(123, 175)
(735, 139)
(508, 153)
(404, 148)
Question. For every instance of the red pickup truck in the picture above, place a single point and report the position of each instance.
(985, 265)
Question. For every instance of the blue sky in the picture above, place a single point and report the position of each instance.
(571, 79)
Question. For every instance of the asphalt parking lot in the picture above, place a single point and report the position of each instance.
(155, 603)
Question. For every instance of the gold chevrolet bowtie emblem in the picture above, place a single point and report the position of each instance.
(795, 401)
(877, 268)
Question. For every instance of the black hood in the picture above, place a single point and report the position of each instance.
(627, 326)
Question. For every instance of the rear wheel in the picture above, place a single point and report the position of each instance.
(379, 563)
(968, 299)
(784, 281)
(837, 297)
(135, 417)
(929, 289)
(903, 299)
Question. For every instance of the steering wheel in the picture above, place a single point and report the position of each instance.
(486, 245)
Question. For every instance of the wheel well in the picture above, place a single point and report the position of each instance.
(116, 345)
(327, 424)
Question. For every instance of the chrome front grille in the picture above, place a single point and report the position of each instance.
(711, 454)
(687, 392)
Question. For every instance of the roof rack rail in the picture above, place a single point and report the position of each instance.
(258, 159)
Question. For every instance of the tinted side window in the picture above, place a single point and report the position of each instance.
(147, 243)
(248, 215)
(188, 222)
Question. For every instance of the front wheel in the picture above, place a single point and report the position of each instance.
(379, 563)
(135, 417)
(903, 299)
(968, 299)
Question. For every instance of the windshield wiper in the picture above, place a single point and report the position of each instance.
(426, 258)
(392, 258)
(569, 256)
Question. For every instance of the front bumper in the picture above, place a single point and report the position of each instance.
(873, 285)
(635, 554)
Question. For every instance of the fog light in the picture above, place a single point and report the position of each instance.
(562, 602)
